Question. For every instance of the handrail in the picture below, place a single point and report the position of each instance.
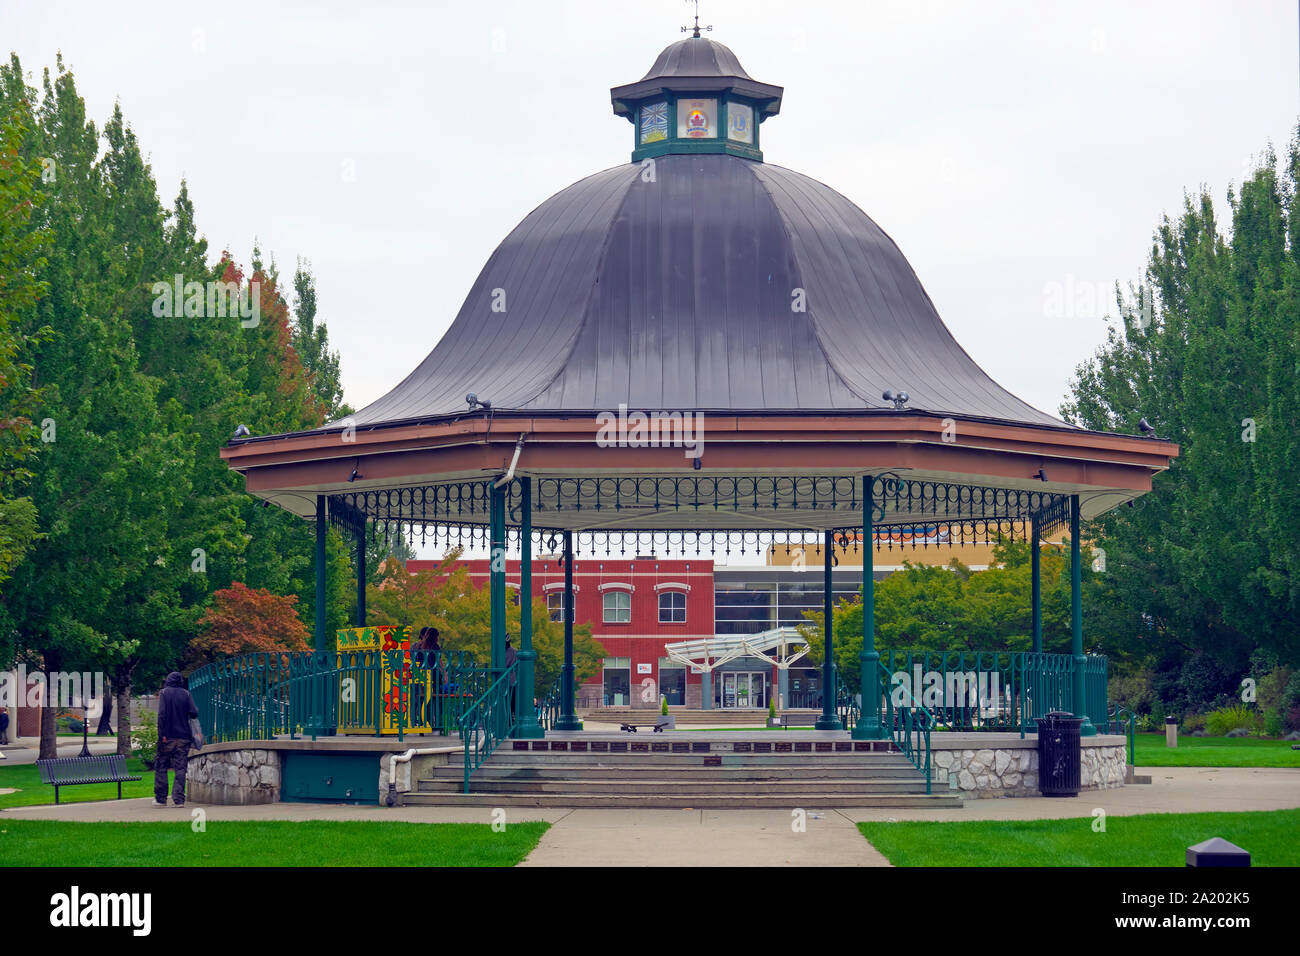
(1116, 716)
(905, 723)
(548, 710)
(489, 720)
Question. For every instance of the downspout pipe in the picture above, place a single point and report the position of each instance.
(395, 759)
(510, 472)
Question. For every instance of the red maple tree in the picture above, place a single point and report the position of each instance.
(244, 620)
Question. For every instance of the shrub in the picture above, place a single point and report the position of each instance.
(771, 708)
(1133, 692)
(1153, 722)
(1274, 726)
(1220, 721)
(663, 706)
(1272, 690)
(144, 741)
(1202, 679)
(1293, 719)
(1193, 722)
(1291, 696)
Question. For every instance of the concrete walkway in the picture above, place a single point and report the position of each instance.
(27, 749)
(745, 837)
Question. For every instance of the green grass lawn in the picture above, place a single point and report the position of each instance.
(1214, 752)
(27, 781)
(1154, 839)
(264, 843)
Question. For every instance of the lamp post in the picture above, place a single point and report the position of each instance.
(568, 720)
(828, 720)
(868, 726)
(85, 729)
(1086, 729)
(527, 726)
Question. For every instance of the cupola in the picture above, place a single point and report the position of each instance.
(697, 98)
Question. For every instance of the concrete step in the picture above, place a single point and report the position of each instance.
(735, 775)
(526, 759)
(811, 800)
(788, 788)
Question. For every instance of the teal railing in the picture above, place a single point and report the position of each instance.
(489, 720)
(1120, 720)
(260, 696)
(907, 722)
(848, 710)
(442, 686)
(995, 690)
(548, 707)
(266, 695)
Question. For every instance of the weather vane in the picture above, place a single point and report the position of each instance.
(697, 27)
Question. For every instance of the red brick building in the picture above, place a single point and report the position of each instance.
(634, 608)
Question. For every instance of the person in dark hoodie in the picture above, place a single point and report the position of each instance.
(175, 708)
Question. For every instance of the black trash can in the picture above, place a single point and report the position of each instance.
(1059, 755)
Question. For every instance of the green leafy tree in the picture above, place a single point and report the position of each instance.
(952, 608)
(1205, 569)
(106, 487)
(444, 597)
(311, 342)
(22, 258)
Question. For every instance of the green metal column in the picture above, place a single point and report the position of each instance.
(868, 726)
(497, 574)
(1036, 593)
(361, 577)
(567, 720)
(828, 720)
(320, 573)
(316, 720)
(1076, 617)
(527, 725)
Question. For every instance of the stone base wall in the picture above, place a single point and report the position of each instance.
(1013, 771)
(234, 777)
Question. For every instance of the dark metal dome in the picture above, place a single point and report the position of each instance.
(696, 56)
(684, 293)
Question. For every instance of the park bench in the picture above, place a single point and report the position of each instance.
(70, 771)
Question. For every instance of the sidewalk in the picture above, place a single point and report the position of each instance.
(27, 749)
(744, 837)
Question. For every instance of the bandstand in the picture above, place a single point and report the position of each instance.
(694, 351)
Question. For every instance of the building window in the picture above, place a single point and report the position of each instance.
(697, 119)
(672, 680)
(740, 123)
(654, 122)
(672, 607)
(555, 606)
(744, 608)
(617, 607)
(617, 681)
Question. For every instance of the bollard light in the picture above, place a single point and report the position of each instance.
(1217, 852)
(1171, 731)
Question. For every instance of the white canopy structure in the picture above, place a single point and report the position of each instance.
(781, 646)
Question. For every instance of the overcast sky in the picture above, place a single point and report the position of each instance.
(1020, 154)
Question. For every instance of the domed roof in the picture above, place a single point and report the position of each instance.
(696, 56)
(717, 284)
(696, 65)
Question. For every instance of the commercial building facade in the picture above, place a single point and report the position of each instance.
(637, 607)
